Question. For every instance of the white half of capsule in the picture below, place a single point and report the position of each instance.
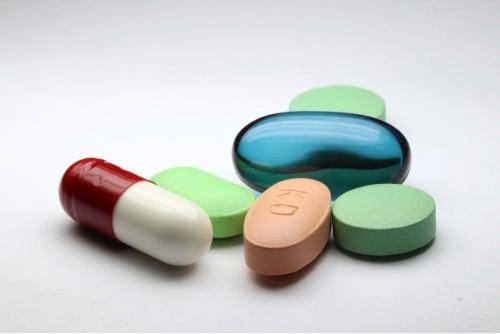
(162, 224)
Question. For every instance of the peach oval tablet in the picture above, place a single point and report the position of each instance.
(287, 227)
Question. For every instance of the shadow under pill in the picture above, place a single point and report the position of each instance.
(283, 281)
(80, 232)
(385, 258)
(124, 253)
(160, 268)
(227, 242)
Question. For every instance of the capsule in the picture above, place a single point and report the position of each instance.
(343, 151)
(135, 211)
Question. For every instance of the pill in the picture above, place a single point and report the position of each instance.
(344, 151)
(135, 211)
(225, 202)
(287, 227)
(384, 219)
(340, 98)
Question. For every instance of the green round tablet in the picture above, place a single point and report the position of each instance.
(225, 202)
(384, 219)
(341, 98)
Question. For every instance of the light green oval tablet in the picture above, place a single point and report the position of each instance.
(342, 98)
(384, 219)
(225, 202)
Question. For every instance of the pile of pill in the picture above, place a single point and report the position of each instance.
(331, 161)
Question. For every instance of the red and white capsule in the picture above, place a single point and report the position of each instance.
(135, 211)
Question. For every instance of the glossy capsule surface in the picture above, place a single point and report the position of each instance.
(344, 151)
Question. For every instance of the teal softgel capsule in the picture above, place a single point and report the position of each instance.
(344, 151)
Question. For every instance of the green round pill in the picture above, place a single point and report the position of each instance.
(225, 202)
(341, 98)
(384, 219)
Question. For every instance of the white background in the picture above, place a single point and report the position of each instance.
(152, 85)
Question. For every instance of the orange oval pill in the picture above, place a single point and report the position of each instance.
(287, 227)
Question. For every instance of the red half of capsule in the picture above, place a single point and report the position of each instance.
(89, 191)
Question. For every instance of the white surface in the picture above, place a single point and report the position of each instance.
(162, 224)
(152, 85)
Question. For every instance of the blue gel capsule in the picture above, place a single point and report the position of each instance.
(344, 151)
